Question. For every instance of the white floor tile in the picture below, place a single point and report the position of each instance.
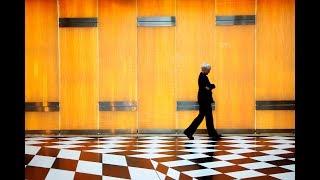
(113, 141)
(69, 142)
(75, 138)
(199, 145)
(216, 164)
(153, 145)
(117, 138)
(64, 146)
(108, 146)
(282, 141)
(240, 151)
(290, 167)
(161, 175)
(32, 150)
(284, 176)
(89, 167)
(154, 164)
(142, 174)
(283, 146)
(237, 137)
(198, 141)
(276, 151)
(201, 172)
(42, 161)
(245, 174)
(239, 141)
(193, 156)
(257, 165)
(111, 178)
(199, 151)
(229, 157)
(157, 137)
(55, 174)
(173, 173)
(279, 137)
(267, 158)
(104, 151)
(154, 141)
(38, 138)
(150, 156)
(245, 146)
(33, 142)
(177, 163)
(151, 151)
(69, 154)
(114, 159)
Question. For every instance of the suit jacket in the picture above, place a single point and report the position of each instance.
(205, 95)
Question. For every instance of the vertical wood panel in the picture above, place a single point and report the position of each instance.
(79, 68)
(41, 61)
(156, 7)
(118, 60)
(235, 7)
(78, 8)
(275, 63)
(156, 58)
(234, 67)
(194, 46)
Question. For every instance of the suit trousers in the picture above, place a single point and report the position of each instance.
(205, 110)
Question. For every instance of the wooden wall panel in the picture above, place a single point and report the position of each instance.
(272, 119)
(156, 59)
(275, 61)
(79, 68)
(235, 7)
(42, 121)
(234, 68)
(78, 8)
(156, 7)
(118, 60)
(41, 61)
(194, 46)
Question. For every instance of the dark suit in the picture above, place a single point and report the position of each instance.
(205, 110)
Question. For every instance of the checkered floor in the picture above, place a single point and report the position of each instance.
(160, 157)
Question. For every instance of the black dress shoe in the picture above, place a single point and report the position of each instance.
(215, 138)
(189, 136)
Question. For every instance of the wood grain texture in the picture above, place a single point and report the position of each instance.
(78, 8)
(156, 59)
(270, 119)
(234, 71)
(275, 60)
(79, 69)
(118, 60)
(194, 46)
(41, 61)
(235, 7)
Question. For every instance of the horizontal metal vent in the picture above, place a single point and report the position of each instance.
(155, 21)
(78, 22)
(235, 20)
(276, 105)
(190, 105)
(40, 107)
(117, 106)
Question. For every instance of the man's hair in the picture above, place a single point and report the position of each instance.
(205, 66)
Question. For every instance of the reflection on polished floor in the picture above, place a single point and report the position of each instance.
(159, 157)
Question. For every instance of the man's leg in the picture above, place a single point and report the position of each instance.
(195, 123)
(212, 132)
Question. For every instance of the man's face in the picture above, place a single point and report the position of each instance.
(207, 71)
